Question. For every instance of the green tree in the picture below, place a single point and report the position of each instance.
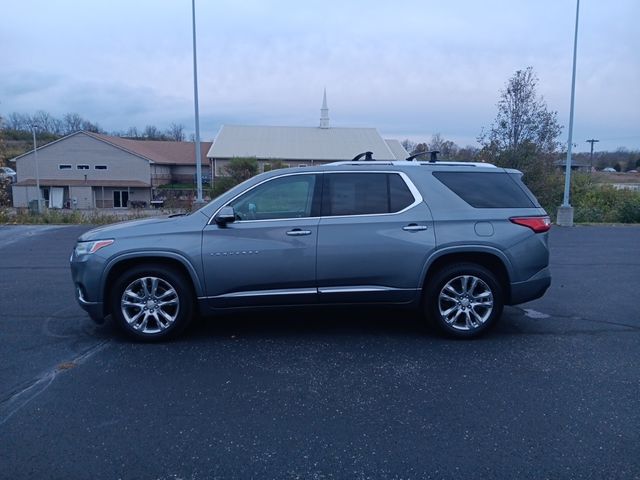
(277, 164)
(236, 171)
(523, 119)
(524, 135)
(241, 169)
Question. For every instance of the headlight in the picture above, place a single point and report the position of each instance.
(87, 248)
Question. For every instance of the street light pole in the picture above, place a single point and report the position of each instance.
(35, 157)
(565, 212)
(199, 199)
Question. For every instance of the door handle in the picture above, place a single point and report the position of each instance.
(412, 227)
(298, 232)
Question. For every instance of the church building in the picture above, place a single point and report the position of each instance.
(299, 146)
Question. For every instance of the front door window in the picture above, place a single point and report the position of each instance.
(291, 196)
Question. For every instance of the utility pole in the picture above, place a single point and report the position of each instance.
(591, 141)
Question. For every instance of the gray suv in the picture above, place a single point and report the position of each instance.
(456, 240)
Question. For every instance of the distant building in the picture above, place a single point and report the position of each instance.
(89, 170)
(299, 146)
(576, 165)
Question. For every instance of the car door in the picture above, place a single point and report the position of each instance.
(374, 238)
(267, 256)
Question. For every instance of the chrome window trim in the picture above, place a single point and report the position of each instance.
(417, 196)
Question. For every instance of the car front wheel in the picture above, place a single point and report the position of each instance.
(464, 300)
(151, 303)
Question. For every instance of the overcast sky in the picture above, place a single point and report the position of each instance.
(408, 68)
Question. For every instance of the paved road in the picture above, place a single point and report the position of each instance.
(553, 392)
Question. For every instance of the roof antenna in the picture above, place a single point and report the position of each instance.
(432, 159)
(368, 156)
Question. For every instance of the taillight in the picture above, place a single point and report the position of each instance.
(537, 224)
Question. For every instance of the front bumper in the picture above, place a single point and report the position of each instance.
(86, 273)
(94, 309)
(531, 289)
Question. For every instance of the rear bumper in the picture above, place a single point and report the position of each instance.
(531, 289)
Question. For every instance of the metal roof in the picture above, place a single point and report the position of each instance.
(300, 143)
(398, 150)
(155, 151)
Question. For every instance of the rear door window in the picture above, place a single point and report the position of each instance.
(364, 194)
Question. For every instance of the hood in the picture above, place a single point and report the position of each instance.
(130, 228)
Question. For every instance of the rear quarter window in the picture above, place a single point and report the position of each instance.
(487, 189)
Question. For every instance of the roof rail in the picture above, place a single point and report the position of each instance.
(433, 158)
(368, 157)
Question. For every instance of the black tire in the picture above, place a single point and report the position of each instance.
(465, 310)
(166, 307)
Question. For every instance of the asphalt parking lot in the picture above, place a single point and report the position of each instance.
(552, 392)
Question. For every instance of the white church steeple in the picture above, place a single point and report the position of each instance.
(324, 112)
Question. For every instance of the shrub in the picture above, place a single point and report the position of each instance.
(595, 203)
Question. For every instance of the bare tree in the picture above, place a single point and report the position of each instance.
(17, 121)
(176, 132)
(409, 145)
(45, 121)
(447, 148)
(151, 132)
(91, 127)
(132, 132)
(419, 147)
(467, 154)
(71, 122)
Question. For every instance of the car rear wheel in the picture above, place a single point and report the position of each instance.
(464, 300)
(152, 303)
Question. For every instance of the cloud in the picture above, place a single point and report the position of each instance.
(405, 66)
(25, 83)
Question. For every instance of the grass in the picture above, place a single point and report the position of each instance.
(62, 217)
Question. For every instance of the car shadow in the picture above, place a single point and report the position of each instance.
(317, 321)
(326, 322)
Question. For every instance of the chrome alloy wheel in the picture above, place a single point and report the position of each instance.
(465, 302)
(150, 305)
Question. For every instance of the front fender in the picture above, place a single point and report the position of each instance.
(150, 255)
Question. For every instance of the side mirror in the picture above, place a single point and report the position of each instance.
(225, 215)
